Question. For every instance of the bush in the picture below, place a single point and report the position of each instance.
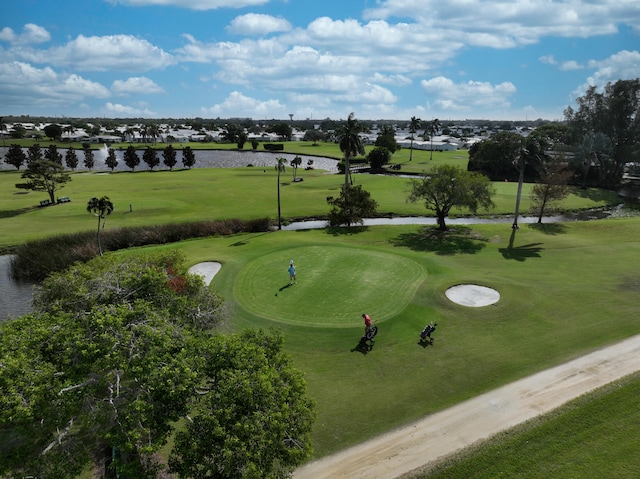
(273, 146)
(35, 260)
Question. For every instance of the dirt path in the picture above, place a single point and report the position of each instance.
(403, 450)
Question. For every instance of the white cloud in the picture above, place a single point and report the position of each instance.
(508, 23)
(142, 85)
(127, 111)
(239, 105)
(472, 95)
(22, 84)
(32, 34)
(192, 4)
(111, 52)
(624, 65)
(258, 24)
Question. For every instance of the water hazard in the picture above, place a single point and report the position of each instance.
(15, 296)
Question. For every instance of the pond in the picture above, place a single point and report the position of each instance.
(15, 296)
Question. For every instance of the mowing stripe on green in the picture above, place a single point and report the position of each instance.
(335, 285)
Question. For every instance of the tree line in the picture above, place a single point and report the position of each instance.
(591, 148)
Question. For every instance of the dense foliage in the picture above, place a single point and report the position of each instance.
(116, 352)
(450, 186)
(351, 207)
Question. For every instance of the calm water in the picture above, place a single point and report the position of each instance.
(15, 296)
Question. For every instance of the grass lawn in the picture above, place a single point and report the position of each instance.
(147, 198)
(565, 290)
(603, 445)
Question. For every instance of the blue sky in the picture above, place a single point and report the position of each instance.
(266, 59)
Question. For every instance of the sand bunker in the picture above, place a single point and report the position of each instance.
(207, 270)
(472, 295)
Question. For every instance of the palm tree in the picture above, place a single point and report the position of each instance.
(101, 208)
(280, 168)
(432, 129)
(350, 143)
(3, 128)
(414, 126)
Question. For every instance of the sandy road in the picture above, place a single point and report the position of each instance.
(403, 450)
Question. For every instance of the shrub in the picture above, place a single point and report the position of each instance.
(35, 260)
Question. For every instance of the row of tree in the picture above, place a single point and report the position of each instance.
(16, 157)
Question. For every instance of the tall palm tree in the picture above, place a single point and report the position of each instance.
(3, 128)
(414, 126)
(101, 208)
(350, 143)
(280, 162)
(432, 129)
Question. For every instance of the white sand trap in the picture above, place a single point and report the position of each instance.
(207, 270)
(472, 295)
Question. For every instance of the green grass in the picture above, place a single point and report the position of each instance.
(566, 289)
(593, 436)
(148, 198)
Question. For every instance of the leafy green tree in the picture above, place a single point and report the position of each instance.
(283, 130)
(15, 156)
(314, 135)
(231, 132)
(131, 158)
(43, 175)
(496, 157)
(552, 186)
(52, 154)
(378, 157)
(351, 207)
(100, 207)
(414, 126)
(254, 420)
(614, 114)
(242, 139)
(89, 161)
(150, 157)
(387, 139)
(53, 131)
(188, 157)
(34, 153)
(350, 142)
(71, 159)
(280, 167)
(169, 157)
(104, 366)
(111, 161)
(449, 186)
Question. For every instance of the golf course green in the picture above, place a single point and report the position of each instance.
(385, 283)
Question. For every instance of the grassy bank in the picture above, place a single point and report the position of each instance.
(149, 198)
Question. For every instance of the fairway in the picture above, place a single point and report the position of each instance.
(335, 285)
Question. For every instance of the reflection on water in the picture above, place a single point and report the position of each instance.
(15, 296)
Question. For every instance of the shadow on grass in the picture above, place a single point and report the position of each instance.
(455, 240)
(345, 231)
(364, 346)
(594, 194)
(286, 286)
(549, 228)
(18, 212)
(520, 253)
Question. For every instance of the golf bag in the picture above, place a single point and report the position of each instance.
(425, 335)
